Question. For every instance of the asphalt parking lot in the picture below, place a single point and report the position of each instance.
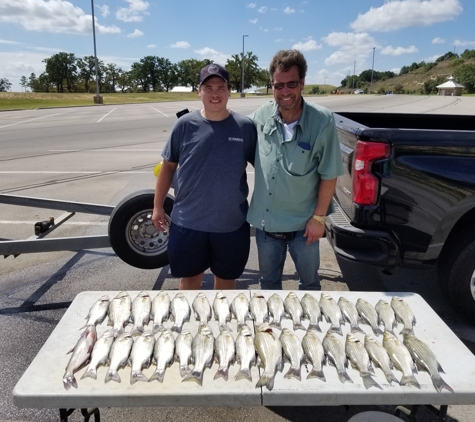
(80, 154)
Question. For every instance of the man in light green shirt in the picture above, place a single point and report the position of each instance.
(298, 160)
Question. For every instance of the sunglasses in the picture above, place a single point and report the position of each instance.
(291, 85)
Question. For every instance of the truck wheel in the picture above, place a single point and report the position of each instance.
(456, 273)
(132, 234)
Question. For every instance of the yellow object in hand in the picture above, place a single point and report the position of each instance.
(157, 168)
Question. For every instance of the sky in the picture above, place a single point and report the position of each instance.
(337, 37)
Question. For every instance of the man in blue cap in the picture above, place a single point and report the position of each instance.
(207, 155)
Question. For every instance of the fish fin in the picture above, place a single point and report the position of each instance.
(368, 382)
(276, 324)
(409, 380)
(315, 327)
(196, 376)
(244, 373)
(280, 367)
(439, 368)
(266, 380)
(335, 329)
(69, 380)
(137, 376)
(112, 376)
(184, 369)
(158, 375)
(391, 378)
(316, 373)
(90, 373)
(221, 373)
(293, 372)
(371, 369)
(377, 331)
(440, 384)
(407, 330)
(343, 377)
(357, 329)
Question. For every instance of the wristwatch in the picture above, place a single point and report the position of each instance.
(320, 218)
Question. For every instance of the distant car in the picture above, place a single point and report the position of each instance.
(359, 91)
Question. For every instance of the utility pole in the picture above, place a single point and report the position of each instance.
(354, 69)
(242, 68)
(372, 70)
(97, 98)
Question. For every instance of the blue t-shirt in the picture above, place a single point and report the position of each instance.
(210, 182)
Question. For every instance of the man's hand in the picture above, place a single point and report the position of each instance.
(313, 231)
(158, 218)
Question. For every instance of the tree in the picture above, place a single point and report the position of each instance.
(447, 56)
(263, 79)
(111, 76)
(188, 72)
(5, 85)
(87, 71)
(24, 82)
(468, 54)
(430, 86)
(466, 76)
(167, 73)
(315, 90)
(251, 70)
(61, 68)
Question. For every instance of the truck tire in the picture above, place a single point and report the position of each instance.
(133, 236)
(456, 274)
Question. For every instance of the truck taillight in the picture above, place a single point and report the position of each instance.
(365, 184)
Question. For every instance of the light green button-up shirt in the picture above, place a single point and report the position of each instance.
(288, 173)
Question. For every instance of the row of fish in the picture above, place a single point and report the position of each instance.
(122, 311)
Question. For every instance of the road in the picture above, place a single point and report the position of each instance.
(100, 155)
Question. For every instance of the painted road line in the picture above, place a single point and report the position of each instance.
(31, 120)
(77, 172)
(161, 112)
(70, 223)
(103, 117)
(108, 150)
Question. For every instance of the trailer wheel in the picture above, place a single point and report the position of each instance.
(133, 236)
(456, 274)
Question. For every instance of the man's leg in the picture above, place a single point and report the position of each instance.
(224, 284)
(271, 255)
(191, 283)
(307, 261)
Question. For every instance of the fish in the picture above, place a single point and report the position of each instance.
(202, 349)
(201, 308)
(120, 312)
(426, 361)
(141, 307)
(141, 356)
(259, 309)
(224, 351)
(80, 355)
(368, 315)
(379, 356)
(350, 314)
(221, 310)
(98, 312)
(336, 356)
(386, 315)
(332, 313)
(359, 358)
(183, 351)
(160, 311)
(311, 311)
(294, 353)
(180, 312)
(245, 353)
(240, 309)
(401, 359)
(313, 349)
(269, 350)
(100, 354)
(404, 315)
(119, 355)
(294, 309)
(163, 354)
(275, 305)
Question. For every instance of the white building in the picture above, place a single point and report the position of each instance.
(450, 88)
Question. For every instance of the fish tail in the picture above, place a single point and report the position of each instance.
(112, 376)
(223, 327)
(244, 373)
(315, 326)
(137, 376)
(293, 372)
(242, 324)
(368, 382)
(357, 329)
(276, 324)
(90, 373)
(69, 380)
(176, 328)
(377, 331)
(266, 380)
(158, 328)
(221, 373)
(335, 329)
(196, 376)
(158, 375)
(407, 330)
(184, 369)
(343, 377)
(410, 380)
(440, 384)
(298, 326)
(316, 373)
(391, 378)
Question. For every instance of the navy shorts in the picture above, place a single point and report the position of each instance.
(190, 252)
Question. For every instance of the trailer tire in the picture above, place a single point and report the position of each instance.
(132, 235)
(456, 274)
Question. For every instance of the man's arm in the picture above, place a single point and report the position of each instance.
(315, 230)
(164, 181)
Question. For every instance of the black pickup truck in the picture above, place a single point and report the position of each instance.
(407, 197)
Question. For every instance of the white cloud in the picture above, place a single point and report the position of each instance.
(288, 10)
(135, 34)
(254, 21)
(180, 44)
(432, 59)
(438, 40)
(262, 9)
(263, 29)
(10, 42)
(251, 5)
(151, 46)
(134, 12)
(104, 9)
(60, 17)
(463, 43)
(397, 51)
(398, 14)
(212, 54)
(309, 45)
(278, 29)
(279, 40)
(351, 47)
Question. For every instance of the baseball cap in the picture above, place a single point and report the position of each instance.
(214, 69)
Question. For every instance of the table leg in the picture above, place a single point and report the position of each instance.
(87, 413)
(411, 414)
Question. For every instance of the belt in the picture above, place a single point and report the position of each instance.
(281, 235)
